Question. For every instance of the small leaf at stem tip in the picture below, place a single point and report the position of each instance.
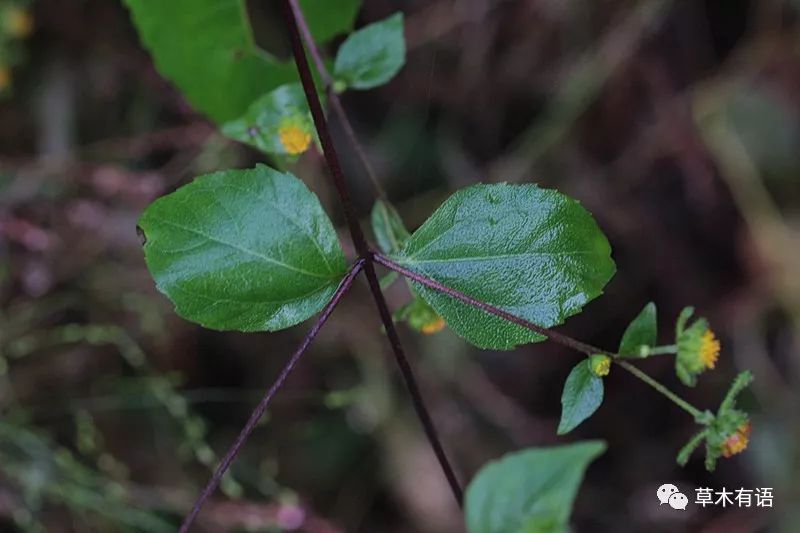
(641, 332)
(372, 55)
(245, 250)
(532, 252)
(582, 395)
(531, 490)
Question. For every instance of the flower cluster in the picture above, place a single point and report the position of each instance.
(728, 432)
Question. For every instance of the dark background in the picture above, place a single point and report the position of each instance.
(674, 122)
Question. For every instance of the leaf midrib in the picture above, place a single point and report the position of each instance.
(239, 248)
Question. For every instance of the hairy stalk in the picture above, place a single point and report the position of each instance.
(661, 350)
(258, 412)
(554, 336)
(333, 98)
(293, 14)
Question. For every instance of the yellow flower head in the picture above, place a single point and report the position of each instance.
(600, 364)
(698, 349)
(295, 140)
(18, 22)
(709, 349)
(737, 441)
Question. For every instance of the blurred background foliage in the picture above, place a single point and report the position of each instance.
(675, 123)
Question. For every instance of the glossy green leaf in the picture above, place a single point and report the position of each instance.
(582, 395)
(533, 252)
(329, 18)
(388, 227)
(246, 250)
(206, 48)
(640, 333)
(372, 55)
(531, 491)
(277, 123)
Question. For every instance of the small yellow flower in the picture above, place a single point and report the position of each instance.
(18, 22)
(600, 364)
(698, 349)
(709, 349)
(434, 326)
(737, 442)
(294, 139)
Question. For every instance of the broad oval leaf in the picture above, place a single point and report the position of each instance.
(582, 395)
(641, 332)
(533, 252)
(277, 123)
(246, 250)
(390, 232)
(531, 491)
(206, 47)
(372, 55)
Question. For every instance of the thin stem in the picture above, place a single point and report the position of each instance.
(293, 15)
(328, 150)
(333, 97)
(554, 336)
(560, 338)
(258, 412)
(680, 402)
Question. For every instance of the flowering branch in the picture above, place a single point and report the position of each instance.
(565, 340)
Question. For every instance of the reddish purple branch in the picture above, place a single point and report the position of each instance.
(292, 13)
(333, 98)
(258, 412)
(453, 293)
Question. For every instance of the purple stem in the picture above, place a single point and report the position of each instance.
(453, 293)
(258, 412)
(292, 14)
(333, 98)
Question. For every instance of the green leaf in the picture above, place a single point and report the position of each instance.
(277, 123)
(531, 491)
(206, 48)
(246, 250)
(328, 18)
(388, 227)
(582, 395)
(533, 252)
(641, 332)
(372, 55)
